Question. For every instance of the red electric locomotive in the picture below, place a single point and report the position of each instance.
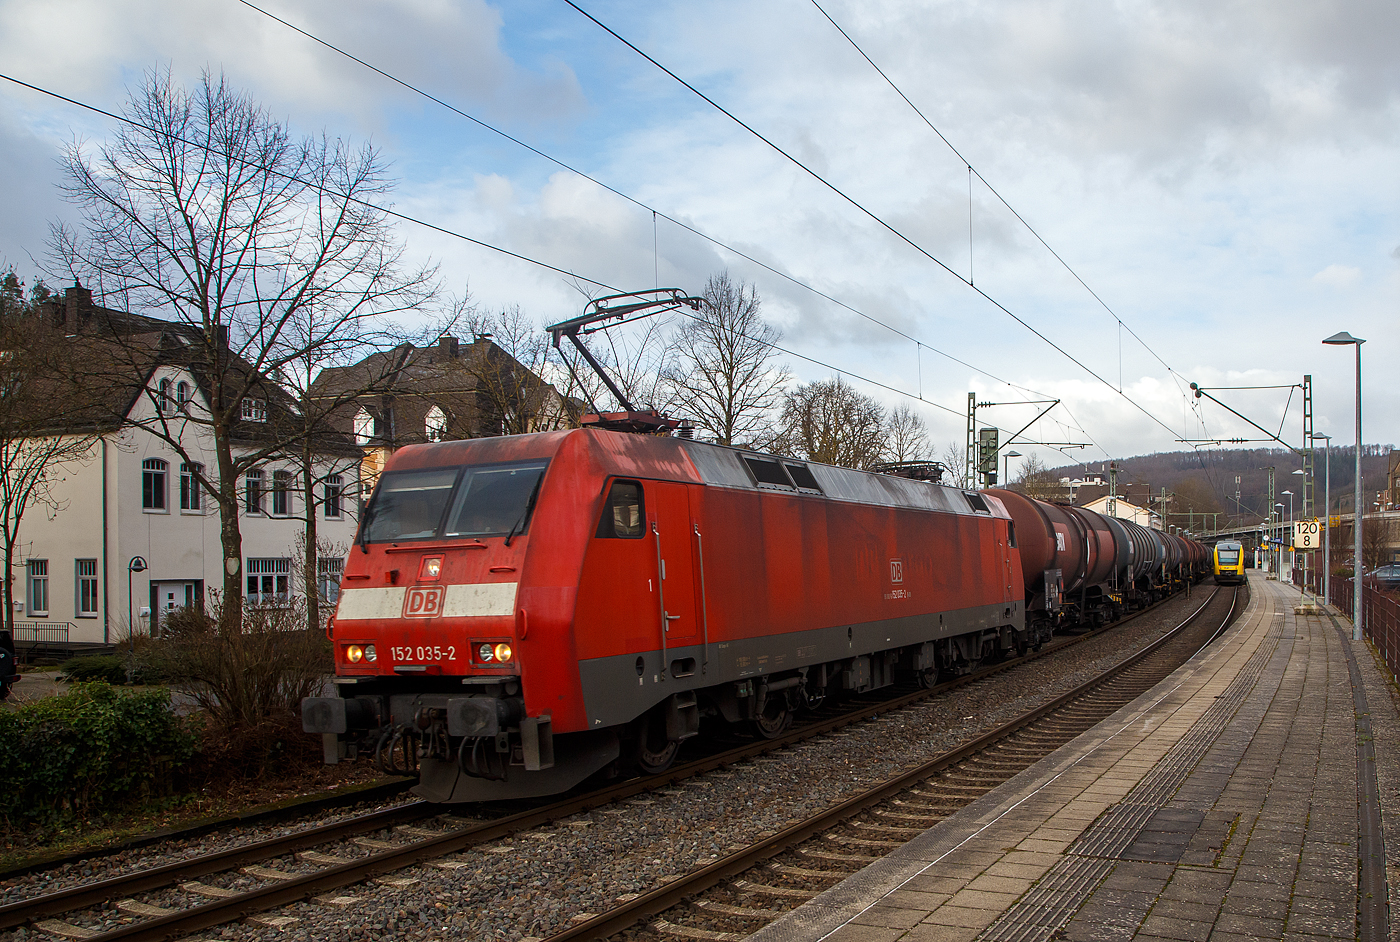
(521, 612)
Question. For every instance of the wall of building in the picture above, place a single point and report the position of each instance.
(180, 547)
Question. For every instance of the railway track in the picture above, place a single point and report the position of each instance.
(729, 899)
(176, 901)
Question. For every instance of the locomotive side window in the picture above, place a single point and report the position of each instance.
(409, 504)
(802, 476)
(767, 471)
(622, 512)
(495, 501)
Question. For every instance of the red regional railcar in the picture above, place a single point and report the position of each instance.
(521, 612)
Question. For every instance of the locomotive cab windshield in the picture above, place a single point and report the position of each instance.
(452, 503)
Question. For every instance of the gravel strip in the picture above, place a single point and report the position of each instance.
(534, 884)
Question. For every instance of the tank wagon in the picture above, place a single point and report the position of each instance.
(519, 613)
(1083, 569)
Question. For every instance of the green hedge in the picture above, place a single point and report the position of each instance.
(108, 668)
(94, 749)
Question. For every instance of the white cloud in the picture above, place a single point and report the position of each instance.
(1338, 276)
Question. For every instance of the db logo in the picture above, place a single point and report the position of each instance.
(423, 601)
(897, 571)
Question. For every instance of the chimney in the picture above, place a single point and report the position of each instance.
(447, 346)
(77, 307)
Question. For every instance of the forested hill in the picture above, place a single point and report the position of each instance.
(1205, 479)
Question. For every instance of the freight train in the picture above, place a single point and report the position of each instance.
(520, 613)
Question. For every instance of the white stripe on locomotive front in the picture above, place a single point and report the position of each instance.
(490, 598)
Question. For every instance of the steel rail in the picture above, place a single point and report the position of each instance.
(305, 886)
(664, 897)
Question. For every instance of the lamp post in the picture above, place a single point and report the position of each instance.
(1006, 475)
(1305, 484)
(137, 564)
(1278, 541)
(1342, 338)
(1287, 535)
(1327, 518)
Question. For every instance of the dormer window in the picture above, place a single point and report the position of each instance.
(435, 425)
(364, 427)
(254, 410)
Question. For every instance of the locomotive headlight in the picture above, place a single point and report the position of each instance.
(486, 654)
(354, 653)
(370, 654)
(502, 652)
(430, 569)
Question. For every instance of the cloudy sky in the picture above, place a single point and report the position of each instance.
(1224, 176)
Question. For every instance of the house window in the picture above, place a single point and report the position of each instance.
(252, 491)
(38, 587)
(334, 485)
(328, 570)
(254, 410)
(365, 427)
(435, 426)
(153, 472)
(87, 587)
(163, 402)
(281, 484)
(269, 580)
(190, 497)
(182, 395)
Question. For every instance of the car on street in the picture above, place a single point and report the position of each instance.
(1387, 576)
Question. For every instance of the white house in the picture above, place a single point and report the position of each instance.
(1127, 511)
(132, 532)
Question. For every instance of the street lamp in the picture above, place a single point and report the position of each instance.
(1294, 540)
(1278, 536)
(137, 564)
(1287, 534)
(1340, 339)
(1327, 518)
(1006, 475)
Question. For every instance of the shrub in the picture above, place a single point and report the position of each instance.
(91, 750)
(109, 668)
(249, 683)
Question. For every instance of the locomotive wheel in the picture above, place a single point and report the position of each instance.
(928, 678)
(774, 719)
(653, 752)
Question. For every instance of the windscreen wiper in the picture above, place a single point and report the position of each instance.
(529, 509)
(365, 521)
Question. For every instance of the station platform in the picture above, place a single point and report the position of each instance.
(1251, 795)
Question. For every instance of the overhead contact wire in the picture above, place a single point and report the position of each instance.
(444, 231)
(973, 170)
(613, 190)
(873, 216)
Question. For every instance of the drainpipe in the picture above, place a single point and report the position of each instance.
(106, 573)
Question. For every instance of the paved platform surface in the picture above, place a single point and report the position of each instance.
(1230, 802)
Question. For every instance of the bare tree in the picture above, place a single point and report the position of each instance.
(906, 436)
(828, 421)
(205, 208)
(509, 373)
(724, 374)
(1378, 541)
(46, 418)
(955, 464)
(1036, 480)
